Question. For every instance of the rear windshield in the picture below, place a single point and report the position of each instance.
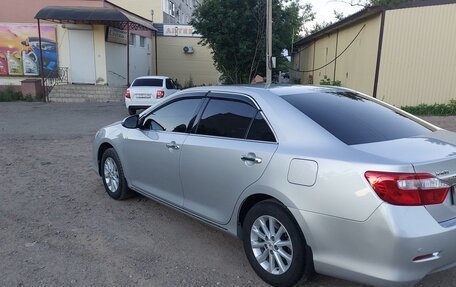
(148, 83)
(354, 119)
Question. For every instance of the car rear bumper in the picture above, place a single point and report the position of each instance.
(140, 103)
(381, 250)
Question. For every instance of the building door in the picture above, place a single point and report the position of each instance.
(82, 57)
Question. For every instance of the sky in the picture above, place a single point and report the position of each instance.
(324, 10)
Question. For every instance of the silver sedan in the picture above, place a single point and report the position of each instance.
(312, 179)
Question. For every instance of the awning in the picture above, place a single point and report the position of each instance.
(94, 15)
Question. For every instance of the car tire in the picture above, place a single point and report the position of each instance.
(132, 111)
(113, 176)
(289, 272)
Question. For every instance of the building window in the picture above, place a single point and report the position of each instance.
(171, 8)
(142, 41)
(133, 39)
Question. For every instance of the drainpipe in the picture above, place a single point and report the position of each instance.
(335, 56)
(379, 54)
(156, 56)
(43, 85)
(128, 53)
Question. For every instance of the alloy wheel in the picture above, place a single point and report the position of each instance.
(271, 245)
(111, 174)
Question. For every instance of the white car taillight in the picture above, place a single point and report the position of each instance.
(160, 94)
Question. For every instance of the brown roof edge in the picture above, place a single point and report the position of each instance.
(367, 12)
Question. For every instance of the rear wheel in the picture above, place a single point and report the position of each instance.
(113, 176)
(275, 246)
(132, 111)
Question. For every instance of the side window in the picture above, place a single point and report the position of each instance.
(226, 118)
(174, 117)
(260, 130)
(169, 84)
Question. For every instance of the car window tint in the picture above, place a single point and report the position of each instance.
(174, 117)
(260, 130)
(354, 119)
(226, 118)
(148, 83)
(169, 84)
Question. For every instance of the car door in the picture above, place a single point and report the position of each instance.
(228, 150)
(153, 151)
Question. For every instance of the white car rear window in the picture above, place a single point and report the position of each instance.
(148, 83)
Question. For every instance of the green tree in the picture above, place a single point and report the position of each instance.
(339, 15)
(235, 31)
(368, 3)
(385, 2)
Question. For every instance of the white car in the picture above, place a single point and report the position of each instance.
(146, 91)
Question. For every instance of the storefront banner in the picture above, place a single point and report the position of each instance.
(115, 35)
(20, 53)
(180, 31)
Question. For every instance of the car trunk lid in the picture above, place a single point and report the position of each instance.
(434, 153)
(143, 93)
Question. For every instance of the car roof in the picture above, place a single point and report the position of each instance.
(153, 77)
(275, 89)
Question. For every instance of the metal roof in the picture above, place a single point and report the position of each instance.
(94, 15)
(366, 13)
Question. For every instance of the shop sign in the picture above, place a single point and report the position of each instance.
(180, 31)
(115, 35)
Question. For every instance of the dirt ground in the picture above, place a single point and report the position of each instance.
(59, 228)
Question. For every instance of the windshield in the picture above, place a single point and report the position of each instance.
(354, 119)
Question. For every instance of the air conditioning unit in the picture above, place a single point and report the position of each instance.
(188, 50)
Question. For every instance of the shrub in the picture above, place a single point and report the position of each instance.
(433, 110)
(10, 95)
(327, 82)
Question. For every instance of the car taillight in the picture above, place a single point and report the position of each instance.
(408, 188)
(160, 94)
(127, 94)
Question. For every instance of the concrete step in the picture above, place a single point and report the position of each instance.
(86, 93)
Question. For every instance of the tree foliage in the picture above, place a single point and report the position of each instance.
(385, 2)
(235, 31)
(368, 3)
(339, 15)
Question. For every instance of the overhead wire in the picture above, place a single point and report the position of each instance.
(333, 60)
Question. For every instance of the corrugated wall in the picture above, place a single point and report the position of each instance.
(418, 62)
(356, 67)
(303, 61)
(325, 51)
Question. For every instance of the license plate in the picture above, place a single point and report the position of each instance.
(143, 96)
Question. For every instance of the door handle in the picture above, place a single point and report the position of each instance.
(172, 145)
(251, 158)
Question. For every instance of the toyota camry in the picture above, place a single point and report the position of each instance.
(311, 179)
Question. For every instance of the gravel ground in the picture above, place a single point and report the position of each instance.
(58, 227)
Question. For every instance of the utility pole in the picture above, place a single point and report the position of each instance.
(268, 42)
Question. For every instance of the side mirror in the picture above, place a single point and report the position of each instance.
(132, 122)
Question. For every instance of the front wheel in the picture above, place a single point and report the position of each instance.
(275, 246)
(113, 176)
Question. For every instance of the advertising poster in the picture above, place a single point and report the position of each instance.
(20, 53)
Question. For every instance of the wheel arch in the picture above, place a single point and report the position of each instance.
(247, 204)
(103, 147)
(252, 199)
